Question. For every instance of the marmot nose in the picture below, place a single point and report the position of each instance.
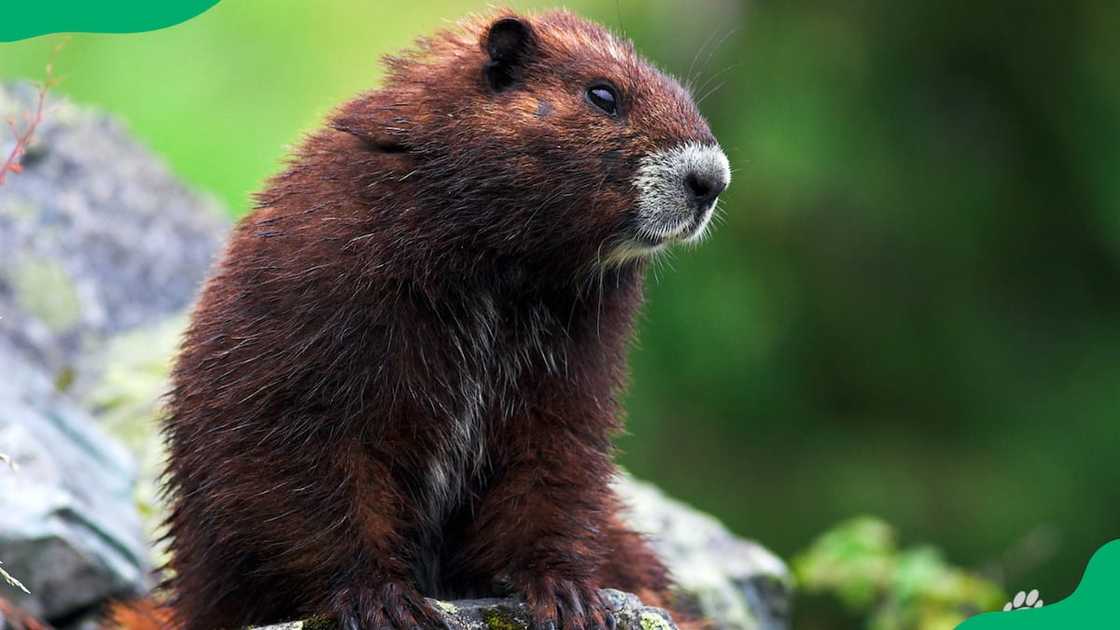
(704, 187)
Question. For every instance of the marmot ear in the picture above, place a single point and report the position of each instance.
(509, 45)
(374, 120)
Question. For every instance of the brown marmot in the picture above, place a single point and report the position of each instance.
(402, 379)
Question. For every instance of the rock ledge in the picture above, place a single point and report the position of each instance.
(510, 614)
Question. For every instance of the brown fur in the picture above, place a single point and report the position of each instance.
(420, 296)
(138, 615)
(13, 618)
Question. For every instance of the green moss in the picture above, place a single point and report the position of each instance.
(500, 619)
(44, 289)
(320, 623)
(64, 379)
(653, 621)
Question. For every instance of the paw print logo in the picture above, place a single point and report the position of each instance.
(1024, 600)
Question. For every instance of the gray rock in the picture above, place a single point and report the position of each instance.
(735, 583)
(69, 529)
(96, 235)
(508, 614)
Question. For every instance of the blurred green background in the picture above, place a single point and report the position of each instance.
(912, 307)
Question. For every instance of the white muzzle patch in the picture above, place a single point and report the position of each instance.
(677, 193)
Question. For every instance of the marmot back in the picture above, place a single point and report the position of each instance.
(402, 380)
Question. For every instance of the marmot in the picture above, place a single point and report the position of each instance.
(402, 379)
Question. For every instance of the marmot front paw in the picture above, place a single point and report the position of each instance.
(391, 606)
(562, 604)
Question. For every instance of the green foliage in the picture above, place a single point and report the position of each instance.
(860, 563)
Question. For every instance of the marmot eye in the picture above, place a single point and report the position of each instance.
(604, 97)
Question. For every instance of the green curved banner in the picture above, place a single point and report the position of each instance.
(29, 18)
(1093, 606)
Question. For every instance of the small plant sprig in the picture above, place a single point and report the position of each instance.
(8, 577)
(11, 580)
(34, 118)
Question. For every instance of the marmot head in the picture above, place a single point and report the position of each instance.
(545, 136)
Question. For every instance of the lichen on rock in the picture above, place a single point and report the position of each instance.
(44, 290)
